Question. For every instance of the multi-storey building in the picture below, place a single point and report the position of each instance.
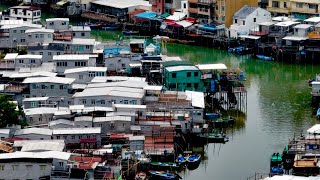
(220, 11)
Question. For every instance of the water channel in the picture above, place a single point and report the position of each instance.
(278, 106)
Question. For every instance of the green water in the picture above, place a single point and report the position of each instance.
(278, 107)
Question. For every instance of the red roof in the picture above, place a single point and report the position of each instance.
(118, 136)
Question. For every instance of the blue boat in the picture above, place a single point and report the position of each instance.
(193, 161)
(163, 175)
(181, 159)
(239, 50)
(277, 170)
(264, 58)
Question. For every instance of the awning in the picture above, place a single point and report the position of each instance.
(146, 15)
(165, 15)
(207, 28)
(184, 23)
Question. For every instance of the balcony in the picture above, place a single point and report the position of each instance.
(304, 10)
(278, 10)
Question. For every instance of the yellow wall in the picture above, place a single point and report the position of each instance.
(232, 6)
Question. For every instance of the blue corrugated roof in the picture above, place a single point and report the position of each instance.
(147, 15)
(207, 28)
(111, 51)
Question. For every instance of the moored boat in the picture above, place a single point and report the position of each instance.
(181, 160)
(193, 161)
(163, 175)
(214, 137)
(264, 58)
(140, 176)
(276, 159)
(130, 33)
(164, 165)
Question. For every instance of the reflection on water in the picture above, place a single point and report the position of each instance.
(278, 106)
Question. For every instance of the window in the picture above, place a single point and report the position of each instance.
(80, 136)
(299, 5)
(196, 85)
(174, 75)
(134, 102)
(80, 76)
(64, 137)
(244, 23)
(15, 167)
(217, 8)
(83, 34)
(60, 86)
(22, 40)
(188, 74)
(58, 53)
(125, 102)
(285, 4)
(235, 21)
(37, 35)
(20, 61)
(93, 101)
(124, 124)
(87, 47)
(34, 86)
(43, 86)
(51, 86)
(1, 167)
(254, 19)
(49, 35)
(40, 53)
(49, 53)
(14, 31)
(313, 6)
(222, 8)
(84, 101)
(40, 119)
(41, 35)
(196, 74)
(88, 136)
(103, 102)
(28, 167)
(223, 18)
(32, 61)
(123, 65)
(63, 23)
(43, 167)
(61, 164)
(22, 31)
(188, 84)
(74, 34)
(184, 5)
(275, 4)
(33, 104)
(73, 137)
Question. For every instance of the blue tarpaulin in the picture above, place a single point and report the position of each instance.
(146, 15)
(213, 85)
(207, 28)
(111, 51)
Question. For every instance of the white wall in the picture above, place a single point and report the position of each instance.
(34, 137)
(58, 25)
(24, 170)
(260, 14)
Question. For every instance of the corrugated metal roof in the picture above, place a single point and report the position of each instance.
(11, 22)
(122, 4)
(41, 131)
(4, 131)
(313, 19)
(57, 80)
(93, 130)
(111, 91)
(182, 68)
(244, 12)
(211, 66)
(136, 138)
(33, 74)
(36, 155)
(131, 84)
(61, 121)
(129, 106)
(29, 56)
(112, 118)
(11, 26)
(80, 28)
(42, 110)
(102, 79)
(71, 57)
(40, 30)
(197, 98)
(11, 56)
(85, 69)
(57, 19)
(43, 146)
(286, 23)
(35, 99)
(153, 88)
(20, 143)
(303, 26)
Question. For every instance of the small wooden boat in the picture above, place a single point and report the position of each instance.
(223, 122)
(181, 160)
(164, 165)
(214, 137)
(193, 161)
(140, 176)
(163, 175)
(241, 50)
(264, 58)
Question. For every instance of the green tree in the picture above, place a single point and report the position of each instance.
(8, 113)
